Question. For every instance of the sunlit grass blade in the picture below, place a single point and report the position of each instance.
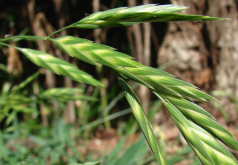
(102, 120)
(65, 98)
(60, 91)
(115, 152)
(24, 109)
(181, 155)
(24, 83)
(15, 99)
(133, 154)
(89, 163)
(65, 94)
(125, 16)
(142, 121)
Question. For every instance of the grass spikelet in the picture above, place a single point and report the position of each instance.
(58, 66)
(125, 16)
(202, 118)
(142, 121)
(214, 147)
(179, 107)
(94, 53)
(195, 135)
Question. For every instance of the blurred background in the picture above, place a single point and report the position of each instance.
(50, 119)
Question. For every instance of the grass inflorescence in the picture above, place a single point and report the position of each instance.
(196, 125)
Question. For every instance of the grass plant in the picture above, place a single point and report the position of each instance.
(196, 125)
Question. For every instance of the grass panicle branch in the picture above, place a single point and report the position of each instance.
(160, 82)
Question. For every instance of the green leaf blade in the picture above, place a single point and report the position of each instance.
(24, 83)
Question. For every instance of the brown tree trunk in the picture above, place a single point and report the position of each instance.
(205, 53)
(224, 50)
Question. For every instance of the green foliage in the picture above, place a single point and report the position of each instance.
(54, 146)
(133, 155)
(21, 101)
(172, 92)
(51, 146)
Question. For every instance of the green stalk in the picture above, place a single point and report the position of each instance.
(24, 83)
(103, 94)
(7, 45)
(57, 31)
(102, 120)
(23, 37)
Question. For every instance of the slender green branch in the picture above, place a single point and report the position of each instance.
(34, 37)
(102, 120)
(103, 98)
(57, 31)
(1, 43)
(23, 37)
(24, 83)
